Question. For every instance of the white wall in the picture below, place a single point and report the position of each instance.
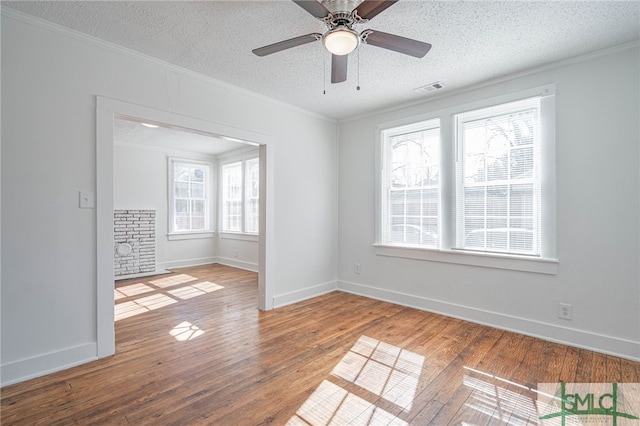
(50, 80)
(140, 182)
(598, 232)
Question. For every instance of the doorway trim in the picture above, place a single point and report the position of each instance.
(106, 111)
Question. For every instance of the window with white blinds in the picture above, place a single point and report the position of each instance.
(411, 209)
(240, 196)
(189, 196)
(498, 178)
(477, 180)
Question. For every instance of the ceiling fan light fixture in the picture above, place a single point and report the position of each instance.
(341, 41)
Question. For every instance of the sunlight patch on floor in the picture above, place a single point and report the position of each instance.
(383, 369)
(332, 405)
(491, 398)
(173, 280)
(131, 290)
(376, 368)
(163, 297)
(185, 331)
(144, 304)
(195, 290)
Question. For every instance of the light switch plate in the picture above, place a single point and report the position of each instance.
(86, 200)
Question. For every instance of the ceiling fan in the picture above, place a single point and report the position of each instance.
(341, 39)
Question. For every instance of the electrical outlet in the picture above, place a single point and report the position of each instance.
(86, 200)
(356, 268)
(565, 311)
(235, 253)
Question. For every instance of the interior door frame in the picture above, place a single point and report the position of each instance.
(106, 111)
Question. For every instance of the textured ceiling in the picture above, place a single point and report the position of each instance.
(473, 41)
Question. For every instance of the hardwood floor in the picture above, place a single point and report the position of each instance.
(192, 349)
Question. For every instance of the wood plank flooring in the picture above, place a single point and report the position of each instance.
(193, 349)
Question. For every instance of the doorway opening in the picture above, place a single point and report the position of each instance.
(134, 146)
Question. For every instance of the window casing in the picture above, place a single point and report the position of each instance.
(240, 196)
(189, 197)
(492, 166)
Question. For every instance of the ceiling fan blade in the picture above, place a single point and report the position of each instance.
(313, 7)
(287, 44)
(370, 8)
(339, 68)
(397, 43)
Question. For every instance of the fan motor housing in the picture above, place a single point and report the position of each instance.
(341, 6)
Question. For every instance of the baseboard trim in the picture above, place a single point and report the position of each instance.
(568, 336)
(241, 264)
(304, 294)
(29, 368)
(187, 262)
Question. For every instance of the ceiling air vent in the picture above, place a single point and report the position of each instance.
(425, 90)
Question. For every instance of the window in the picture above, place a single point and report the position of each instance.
(241, 196)
(188, 196)
(252, 195)
(411, 212)
(470, 182)
(232, 197)
(498, 185)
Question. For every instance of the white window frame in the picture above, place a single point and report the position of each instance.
(208, 232)
(243, 234)
(547, 262)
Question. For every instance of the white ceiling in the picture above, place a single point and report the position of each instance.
(128, 130)
(473, 42)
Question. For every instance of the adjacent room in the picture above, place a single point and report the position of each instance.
(320, 212)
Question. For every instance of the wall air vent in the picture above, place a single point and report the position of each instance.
(432, 87)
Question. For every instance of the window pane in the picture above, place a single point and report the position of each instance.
(474, 198)
(197, 207)
(197, 190)
(197, 175)
(182, 207)
(522, 163)
(181, 189)
(521, 200)
(497, 200)
(181, 173)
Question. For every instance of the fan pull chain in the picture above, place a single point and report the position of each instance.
(358, 86)
(324, 71)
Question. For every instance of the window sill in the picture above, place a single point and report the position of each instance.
(239, 236)
(486, 260)
(190, 235)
